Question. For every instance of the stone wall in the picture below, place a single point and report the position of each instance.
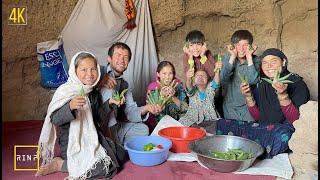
(289, 25)
(304, 158)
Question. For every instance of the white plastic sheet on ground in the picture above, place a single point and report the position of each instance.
(95, 25)
(277, 166)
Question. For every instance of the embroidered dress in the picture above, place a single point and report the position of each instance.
(201, 106)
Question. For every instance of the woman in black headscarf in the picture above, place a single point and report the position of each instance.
(274, 106)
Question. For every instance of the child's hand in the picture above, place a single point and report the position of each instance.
(77, 102)
(245, 89)
(219, 64)
(154, 109)
(164, 92)
(190, 74)
(118, 103)
(232, 50)
(171, 91)
(187, 51)
(203, 49)
(250, 50)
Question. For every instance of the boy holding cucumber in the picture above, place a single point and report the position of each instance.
(239, 64)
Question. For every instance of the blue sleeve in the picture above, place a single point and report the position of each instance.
(132, 110)
(254, 71)
(226, 70)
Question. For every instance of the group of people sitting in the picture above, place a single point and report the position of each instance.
(238, 93)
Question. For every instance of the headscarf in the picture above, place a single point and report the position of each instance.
(84, 150)
(269, 106)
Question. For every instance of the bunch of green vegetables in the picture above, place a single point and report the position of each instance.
(116, 96)
(243, 78)
(232, 154)
(154, 97)
(277, 77)
(82, 93)
(219, 59)
(151, 146)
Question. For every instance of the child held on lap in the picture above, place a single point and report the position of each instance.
(201, 111)
(197, 56)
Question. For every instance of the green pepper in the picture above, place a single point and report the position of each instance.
(116, 96)
(231, 154)
(243, 78)
(82, 93)
(277, 77)
(219, 59)
(154, 97)
(148, 147)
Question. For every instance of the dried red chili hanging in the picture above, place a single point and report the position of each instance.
(131, 14)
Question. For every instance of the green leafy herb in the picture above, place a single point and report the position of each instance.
(277, 77)
(116, 96)
(243, 78)
(148, 147)
(219, 59)
(154, 97)
(82, 93)
(231, 154)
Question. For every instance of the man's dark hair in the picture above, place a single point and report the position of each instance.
(119, 45)
(241, 35)
(195, 36)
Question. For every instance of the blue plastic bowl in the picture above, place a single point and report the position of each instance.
(147, 158)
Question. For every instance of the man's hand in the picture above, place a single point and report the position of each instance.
(118, 103)
(77, 102)
(108, 82)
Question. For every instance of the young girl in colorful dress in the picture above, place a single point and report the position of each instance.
(202, 111)
(169, 86)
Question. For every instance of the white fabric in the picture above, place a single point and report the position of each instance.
(95, 25)
(278, 166)
(84, 150)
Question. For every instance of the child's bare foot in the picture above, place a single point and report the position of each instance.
(54, 166)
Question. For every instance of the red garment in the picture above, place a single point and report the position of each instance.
(290, 112)
(254, 111)
(208, 66)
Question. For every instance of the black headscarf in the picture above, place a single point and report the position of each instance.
(269, 106)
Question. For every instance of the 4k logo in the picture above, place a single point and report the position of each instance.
(17, 15)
